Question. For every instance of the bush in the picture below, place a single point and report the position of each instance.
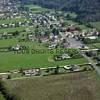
(6, 92)
(89, 41)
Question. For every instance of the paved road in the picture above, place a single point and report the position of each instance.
(74, 43)
(91, 62)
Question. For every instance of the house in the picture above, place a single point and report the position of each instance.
(31, 72)
(92, 37)
(61, 57)
(31, 37)
(16, 48)
(52, 46)
(73, 68)
(65, 56)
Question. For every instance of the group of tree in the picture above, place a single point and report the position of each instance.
(6, 93)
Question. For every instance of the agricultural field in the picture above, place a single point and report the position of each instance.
(75, 86)
(81, 26)
(13, 29)
(11, 61)
(13, 20)
(36, 8)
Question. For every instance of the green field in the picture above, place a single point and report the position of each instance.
(94, 45)
(74, 86)
(9, 61)
(97, 45)
(19, 29)
(13, 20)
(36, 8)
(13, 29)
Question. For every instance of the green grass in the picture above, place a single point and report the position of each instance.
(94, 45)
(36, 8)
(14, 41)
(33, 6)
(69, 22)
(14, 20)
(9, 61)
(8, 42)
(13, 29)
(19, 29)
(97, 45)
(96, 25)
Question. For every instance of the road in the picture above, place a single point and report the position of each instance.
(74, 43)
(91, 62)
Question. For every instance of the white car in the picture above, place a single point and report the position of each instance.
(67, 67)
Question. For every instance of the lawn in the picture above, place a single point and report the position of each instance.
(13, 20)
(74, 86)
(8, 42)
(94, 45)
(36, 8)
(9, 61)
(97, 45)
(82, 26)
(19, 29)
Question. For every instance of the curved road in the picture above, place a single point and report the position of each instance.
(90, 61)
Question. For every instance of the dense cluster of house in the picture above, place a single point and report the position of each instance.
(50, 28)
(7, 6)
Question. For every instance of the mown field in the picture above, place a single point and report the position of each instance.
(75, 86)
(13, 20)
(22, 19)
(16, 61)
(36, 8)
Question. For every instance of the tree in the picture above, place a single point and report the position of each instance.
(9, 77)
(55, 31)
(56, 71)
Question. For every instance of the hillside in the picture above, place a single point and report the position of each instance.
(88, 10)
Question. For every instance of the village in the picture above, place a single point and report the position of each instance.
(48, 30)
(49, 51)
